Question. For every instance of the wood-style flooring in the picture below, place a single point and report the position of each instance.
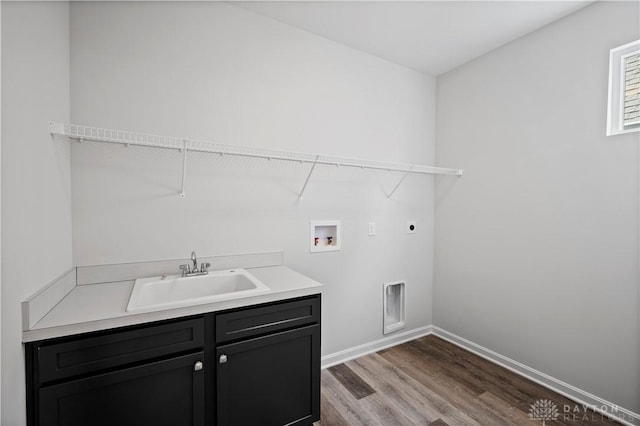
(430, 381)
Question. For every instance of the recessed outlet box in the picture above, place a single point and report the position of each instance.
(411, 227)
(325, 235)
(372, 229)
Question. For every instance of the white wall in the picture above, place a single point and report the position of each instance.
(217, 72)
(36, 183)
(0, 210)
(537, 245)
(541, 231)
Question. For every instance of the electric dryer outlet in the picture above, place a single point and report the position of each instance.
(411, 227)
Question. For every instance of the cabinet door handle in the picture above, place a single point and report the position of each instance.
(197, 366)
(223, 359)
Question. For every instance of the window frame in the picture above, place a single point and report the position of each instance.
(615, 107)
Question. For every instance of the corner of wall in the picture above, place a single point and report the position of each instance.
(35, 205)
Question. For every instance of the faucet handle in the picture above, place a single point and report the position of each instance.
(186, 269)
(204, 266)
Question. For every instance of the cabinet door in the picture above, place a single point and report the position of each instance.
(270, 381)
(169, 392)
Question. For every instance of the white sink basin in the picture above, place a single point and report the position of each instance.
(174, 291)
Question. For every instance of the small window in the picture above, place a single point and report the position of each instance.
(623, 114)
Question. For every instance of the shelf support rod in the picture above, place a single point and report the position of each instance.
(184, 167)
(398, 184)
(313, 166)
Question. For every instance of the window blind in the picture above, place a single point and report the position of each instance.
(632, 90)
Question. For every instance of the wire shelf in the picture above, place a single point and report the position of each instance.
(127, 138)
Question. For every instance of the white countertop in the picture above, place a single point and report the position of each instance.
(96, 307)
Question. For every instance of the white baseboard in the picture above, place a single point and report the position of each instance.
(375, 346)
(586, 401)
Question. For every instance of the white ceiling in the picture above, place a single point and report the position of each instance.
(432, 37)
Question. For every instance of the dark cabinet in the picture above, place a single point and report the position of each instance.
(150, 374)
(258, 365)
(268, 364)
(161, 393)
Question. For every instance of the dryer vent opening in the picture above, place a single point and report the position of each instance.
(393, 305)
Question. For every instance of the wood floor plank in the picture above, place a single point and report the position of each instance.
(455, 394)
(448, 364)
(343, 402)
(350, 380)
(521, 391)
(400, 389)
(514, 389)
(513, 414)
(487, 375)
(386, 413)
(329, 414)
(423, 405)
(432, 382)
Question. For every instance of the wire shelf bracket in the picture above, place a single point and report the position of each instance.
(184, 168)
(404, 176)
(306, 181)
(127, 138)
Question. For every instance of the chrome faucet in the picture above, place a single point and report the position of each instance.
(191, 271)
(194, 259)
